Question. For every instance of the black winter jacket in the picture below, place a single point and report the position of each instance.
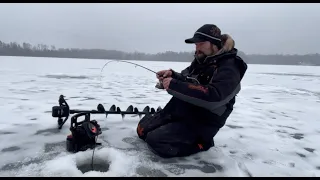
(209, 103)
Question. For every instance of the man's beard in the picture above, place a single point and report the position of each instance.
(200, 56)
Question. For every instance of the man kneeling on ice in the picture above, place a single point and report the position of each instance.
(203, 97)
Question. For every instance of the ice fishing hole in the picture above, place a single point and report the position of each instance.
(99, 165)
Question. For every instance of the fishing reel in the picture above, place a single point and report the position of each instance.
(83, 134)
(159, 85)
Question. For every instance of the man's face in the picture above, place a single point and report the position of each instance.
(204, 49)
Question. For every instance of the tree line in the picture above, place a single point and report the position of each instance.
(42, 50)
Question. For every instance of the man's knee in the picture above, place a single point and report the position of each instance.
(159, 146)
(172, 140)
(144, 123)
(150, 122)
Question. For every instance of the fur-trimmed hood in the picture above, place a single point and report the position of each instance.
(227, 44)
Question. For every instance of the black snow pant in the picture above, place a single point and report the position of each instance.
(168, 137)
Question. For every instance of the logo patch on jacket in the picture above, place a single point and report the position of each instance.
(199, 88)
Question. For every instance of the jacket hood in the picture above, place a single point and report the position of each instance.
(228, 50)
(227, 44)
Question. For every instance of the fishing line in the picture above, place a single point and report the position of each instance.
(125, 62)
(94, 147)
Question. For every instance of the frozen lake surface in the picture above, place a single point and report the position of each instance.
(273, 131)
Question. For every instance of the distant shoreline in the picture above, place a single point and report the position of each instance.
(41, 50)
(147, 60)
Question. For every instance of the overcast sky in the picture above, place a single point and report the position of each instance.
(151, 28)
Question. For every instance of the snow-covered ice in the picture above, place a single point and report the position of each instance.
(273, 131)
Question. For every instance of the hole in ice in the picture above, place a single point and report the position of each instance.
(98, 165)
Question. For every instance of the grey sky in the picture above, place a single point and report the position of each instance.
(152, 28)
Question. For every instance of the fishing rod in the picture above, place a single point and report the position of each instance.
(125, 62)
(191, 78)
(129, 63)
(159, 85)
